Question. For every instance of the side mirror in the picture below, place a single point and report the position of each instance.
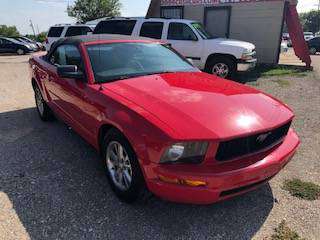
(70, 71)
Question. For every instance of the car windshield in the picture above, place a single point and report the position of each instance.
(117, 61)
(201, 30)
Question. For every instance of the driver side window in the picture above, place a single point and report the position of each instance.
(181, 31)
(67, 55)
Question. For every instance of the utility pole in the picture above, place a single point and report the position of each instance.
(38, 29)
(34, 32)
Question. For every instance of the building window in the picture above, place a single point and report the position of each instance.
(172, 12)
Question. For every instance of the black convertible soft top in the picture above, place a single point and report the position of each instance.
(76, 40)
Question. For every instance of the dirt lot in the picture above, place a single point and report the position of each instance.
(52, 185)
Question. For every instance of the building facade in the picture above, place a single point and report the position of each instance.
(256, 21)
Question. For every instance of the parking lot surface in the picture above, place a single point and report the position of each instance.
(52, 185)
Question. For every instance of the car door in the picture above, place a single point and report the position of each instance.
(185, 41)
(72, 95)
(317, 43)
(6, 46)
(2, 47)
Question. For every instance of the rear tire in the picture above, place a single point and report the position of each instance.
(43, 109)
(221, 66)
(123, 170)
(20, 51)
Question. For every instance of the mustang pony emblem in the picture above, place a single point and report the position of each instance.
(263, 137)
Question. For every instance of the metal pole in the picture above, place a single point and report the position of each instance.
(34, 32)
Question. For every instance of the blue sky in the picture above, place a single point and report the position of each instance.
(45, 13)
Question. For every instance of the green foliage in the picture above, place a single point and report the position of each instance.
(283, 232)
(281, 71)
(41, 37)
(9, 31)
(87, 10)
(310, 21)
(304, 190)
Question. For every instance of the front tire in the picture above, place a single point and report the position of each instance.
(43, 110)
(20, 51)
(122, 168)
(313, 51)
(223, 67)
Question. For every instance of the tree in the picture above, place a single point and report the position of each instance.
(310, 21)
(87, 10)
(9, 31)
(41, 37)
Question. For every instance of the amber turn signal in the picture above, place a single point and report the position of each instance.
(190, 183)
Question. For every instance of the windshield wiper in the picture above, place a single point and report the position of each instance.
(160, 72)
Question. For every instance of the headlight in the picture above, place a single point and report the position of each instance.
(248, 54)
(188, 152)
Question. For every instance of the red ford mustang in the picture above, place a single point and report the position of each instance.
(161, 125)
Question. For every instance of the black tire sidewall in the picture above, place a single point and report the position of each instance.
(228, 61)
(47, 115)
(137, 184)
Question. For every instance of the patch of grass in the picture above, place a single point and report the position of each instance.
(282, 71)
(303, 190)
(282, 83)
(283, 232)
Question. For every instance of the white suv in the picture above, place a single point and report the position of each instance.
(65, 30)
(219, 56)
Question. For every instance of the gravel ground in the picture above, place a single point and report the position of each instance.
(52, 185)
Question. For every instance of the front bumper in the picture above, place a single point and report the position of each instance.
(223, 181)
(244, 66)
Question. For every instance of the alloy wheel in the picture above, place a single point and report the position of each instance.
(20, 52)
(119, 165)
(221, 70)
(313, 51)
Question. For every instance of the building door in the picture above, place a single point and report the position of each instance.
(217, 21)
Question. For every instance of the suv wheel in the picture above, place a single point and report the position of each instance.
(20, 51)
(122, 168)
(313, 50)
(223, 67)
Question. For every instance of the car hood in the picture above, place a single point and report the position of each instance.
(201, 106)
(232, 43)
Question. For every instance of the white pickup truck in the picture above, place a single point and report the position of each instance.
(219, 56)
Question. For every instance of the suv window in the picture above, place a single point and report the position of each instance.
(77, 31)
(55, 32)
(123, 27)
(67, 55)
(151, 30)
(181, 31)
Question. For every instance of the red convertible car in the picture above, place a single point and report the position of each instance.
(160, 124)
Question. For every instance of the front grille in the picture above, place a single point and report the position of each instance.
(236, 148)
